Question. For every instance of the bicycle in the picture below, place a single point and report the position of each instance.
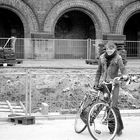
(80, 122)
(99, 114)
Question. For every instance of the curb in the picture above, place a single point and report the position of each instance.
(124, 113)
(127, 113)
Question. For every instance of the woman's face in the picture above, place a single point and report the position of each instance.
(110, 50)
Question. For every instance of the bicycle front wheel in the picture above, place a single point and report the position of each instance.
(79, 124)
(102, 122)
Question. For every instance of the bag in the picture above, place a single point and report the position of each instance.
(85, 112)
(86, 109)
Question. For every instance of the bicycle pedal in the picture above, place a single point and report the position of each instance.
(98, 131)
(104, 122)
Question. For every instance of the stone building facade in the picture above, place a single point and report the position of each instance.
(70, 19)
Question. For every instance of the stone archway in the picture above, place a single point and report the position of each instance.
(95, 12)
(24, 12)
(28, 19)
(124, 16)
(75, 24)
(123, 19)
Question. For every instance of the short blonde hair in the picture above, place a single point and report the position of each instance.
(111, 45)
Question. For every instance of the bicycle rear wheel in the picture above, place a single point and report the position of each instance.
(102, 122)
(79, 124)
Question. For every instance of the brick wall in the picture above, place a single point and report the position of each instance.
(39, 17)
(37, 11)
(111, 9)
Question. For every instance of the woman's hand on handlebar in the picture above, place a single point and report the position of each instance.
(96, 85)
(117, 80)
(125, 77)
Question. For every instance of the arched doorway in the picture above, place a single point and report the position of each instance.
(11, 25)
(132, 32)
(77, 27)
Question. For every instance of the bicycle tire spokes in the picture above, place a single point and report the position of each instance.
(96, 127)
(79, 124)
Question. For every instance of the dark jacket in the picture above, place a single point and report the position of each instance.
(110, 72)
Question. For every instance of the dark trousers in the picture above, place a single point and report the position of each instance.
(116, 110)
(119, 120)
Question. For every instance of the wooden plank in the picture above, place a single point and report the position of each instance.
(14, 104)
(10, 107)
(17, 107)
(23, 107)
(18, 111)
(4, 106)
(4, 110)
(26, 120)
(3, 103)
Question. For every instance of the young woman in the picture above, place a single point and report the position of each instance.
(109, 65)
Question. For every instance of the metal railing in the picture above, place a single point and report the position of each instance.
(44, 49)
(14, 90)
(50, 87)
(133, 49)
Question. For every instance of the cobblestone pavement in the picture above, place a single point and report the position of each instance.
(62, 129)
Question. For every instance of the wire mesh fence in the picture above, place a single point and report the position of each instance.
(13, 94)
(28, 92)
(55, 90)
(44, 49)
(49, 91)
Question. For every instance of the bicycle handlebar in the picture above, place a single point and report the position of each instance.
(127, 79)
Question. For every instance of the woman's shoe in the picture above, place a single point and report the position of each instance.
(111, 132)
(119, 133)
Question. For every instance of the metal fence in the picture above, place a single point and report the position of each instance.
(55, 89)
(45, 92)
(44, 49)
(35, 90)
(133, 49)
(13, 93)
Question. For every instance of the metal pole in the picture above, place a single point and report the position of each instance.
(30, 88)
(87, 49)
(26, 96)
(53, 49)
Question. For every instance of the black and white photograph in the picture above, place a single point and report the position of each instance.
(69, 69)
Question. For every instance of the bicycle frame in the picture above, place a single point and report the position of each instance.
(113, 84)
(89, 95)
